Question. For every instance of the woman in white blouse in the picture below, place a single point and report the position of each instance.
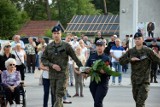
(77, 73)
(20, 55)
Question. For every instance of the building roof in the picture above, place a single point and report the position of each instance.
(38, 28)
(90, 24)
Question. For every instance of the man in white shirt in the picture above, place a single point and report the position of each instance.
(75, 42)
(116, 52)
(16, 39)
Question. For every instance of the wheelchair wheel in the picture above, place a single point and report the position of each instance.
(23, 94)
(24, 101)
(3, 100)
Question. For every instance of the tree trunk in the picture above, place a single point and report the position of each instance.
(48, 10)
(59, 8)
(105, 7)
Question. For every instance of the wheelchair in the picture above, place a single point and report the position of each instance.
(3, 100)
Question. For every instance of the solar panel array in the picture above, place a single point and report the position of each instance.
(90, 24)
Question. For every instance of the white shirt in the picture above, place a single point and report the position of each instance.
(21, 55)
(84, 51)
(74, 44)
(45, 74)
(81, 58)
(117, 52)
(13, 44)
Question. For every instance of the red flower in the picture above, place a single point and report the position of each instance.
(107, 63)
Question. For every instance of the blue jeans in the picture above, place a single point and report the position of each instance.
(71, 72)
(65, 96)
(37, 60)
(118, 68)
(46, 87)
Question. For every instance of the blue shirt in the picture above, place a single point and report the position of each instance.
(13, 44)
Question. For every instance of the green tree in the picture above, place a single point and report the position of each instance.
(112, 5)
(35, 9)
(68, 8)
(10, 19)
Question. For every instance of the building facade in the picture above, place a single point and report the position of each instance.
(148, 11)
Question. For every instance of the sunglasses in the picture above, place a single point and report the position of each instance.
(56, 33)
(7, 46)
(12, 64)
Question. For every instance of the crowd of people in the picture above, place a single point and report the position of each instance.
(61, 60)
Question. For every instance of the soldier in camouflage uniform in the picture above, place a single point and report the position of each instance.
(55, 57)
(140, 58)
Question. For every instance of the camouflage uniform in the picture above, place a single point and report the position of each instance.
(58, 54)
(140, 75)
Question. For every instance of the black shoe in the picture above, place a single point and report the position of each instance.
(72, 84)
(69, 96)
(155, 81)
(82, 95)
(67, 102)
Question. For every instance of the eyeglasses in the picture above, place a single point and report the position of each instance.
(56, 33)
(7, 46)
(12, 65)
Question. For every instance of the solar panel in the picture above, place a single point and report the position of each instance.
(108, 24)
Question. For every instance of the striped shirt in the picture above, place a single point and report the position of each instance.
(117, 52)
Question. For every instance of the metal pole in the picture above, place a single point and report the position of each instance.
(135, 18)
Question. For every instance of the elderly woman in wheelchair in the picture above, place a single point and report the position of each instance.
(11, 82)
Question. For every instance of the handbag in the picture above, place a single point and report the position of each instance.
(23, 65)
(38, 73)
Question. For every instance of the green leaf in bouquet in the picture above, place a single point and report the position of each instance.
(96, 64)
(95, 71)
(110, 71)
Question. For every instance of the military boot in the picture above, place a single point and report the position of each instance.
(155, 81)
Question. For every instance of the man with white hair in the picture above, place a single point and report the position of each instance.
(116, 52)
(16, 39)
(31, 54)
(75, 42)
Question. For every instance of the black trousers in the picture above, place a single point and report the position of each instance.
(31, 62)
(150, 33)
(154, 68)
(0, 79)
(98, 92)
(21, 70)
(12, 95)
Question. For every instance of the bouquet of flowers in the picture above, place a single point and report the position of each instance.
(95, 70)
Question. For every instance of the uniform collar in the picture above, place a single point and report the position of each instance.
(99, 55)
(56, 45)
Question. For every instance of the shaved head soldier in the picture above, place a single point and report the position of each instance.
(140, 58)
(56, 57)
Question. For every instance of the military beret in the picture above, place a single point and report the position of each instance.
(138, 34)
(56, 29)
(100, 42)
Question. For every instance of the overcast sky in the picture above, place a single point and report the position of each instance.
(50, 1)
